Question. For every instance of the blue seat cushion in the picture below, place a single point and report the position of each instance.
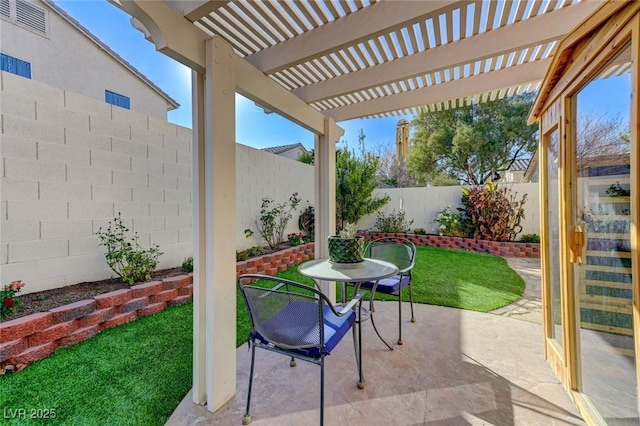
(389, 285)
(289, 325)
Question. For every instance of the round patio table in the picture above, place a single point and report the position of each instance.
(356, 273)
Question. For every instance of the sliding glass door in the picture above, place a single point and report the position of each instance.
(600, 242)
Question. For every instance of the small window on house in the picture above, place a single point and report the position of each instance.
(116, 99)
(15, 66)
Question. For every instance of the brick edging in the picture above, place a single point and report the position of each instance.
(36, 336)
(271, 264)
(498, 248)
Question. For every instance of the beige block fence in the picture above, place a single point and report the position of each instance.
(70, 163)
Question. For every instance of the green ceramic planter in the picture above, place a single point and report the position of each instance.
(346, 250)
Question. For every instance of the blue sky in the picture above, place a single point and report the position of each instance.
(253, 126)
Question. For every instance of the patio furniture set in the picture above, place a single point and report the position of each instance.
(301, 322)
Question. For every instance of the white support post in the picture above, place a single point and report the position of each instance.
(199, 251)
(214, 228)
(325, 188)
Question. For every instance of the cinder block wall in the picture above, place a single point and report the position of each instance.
(423, 205)
(69, 165)
(261, 174)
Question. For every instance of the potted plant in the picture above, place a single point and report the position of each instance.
(346, 247)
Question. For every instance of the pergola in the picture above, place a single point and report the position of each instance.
(318, 63)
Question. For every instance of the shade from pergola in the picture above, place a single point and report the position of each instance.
(318, 62)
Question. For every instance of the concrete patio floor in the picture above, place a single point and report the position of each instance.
(456, 367)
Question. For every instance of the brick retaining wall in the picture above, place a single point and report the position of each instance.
(33, 337)
(504, 249)
(271, 264)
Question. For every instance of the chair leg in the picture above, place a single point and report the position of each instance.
(292, 363)
(373, 323)
(322, 390)
(247, 416)
(359, 357)
(400, 317)
(413, 319)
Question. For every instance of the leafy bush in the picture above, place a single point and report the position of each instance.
(492, 213)
(420, 231)
(615, 190)
(355, 183)
(274, 219)
(295, 239)
(307, 221)
(530, 238)
(450, 223)
(394, 222)
(125, 256)
(250, 252)
(9, 303)
(187, 264)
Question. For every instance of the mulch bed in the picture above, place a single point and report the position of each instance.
(42, 301)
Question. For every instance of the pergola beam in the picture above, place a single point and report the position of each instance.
(253, 84)
(172, 35)
(517, 36)
(494, 80)
(379, 18)
(196, 9)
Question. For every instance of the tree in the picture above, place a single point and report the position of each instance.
(599, 137)
(355, 182)
(474, 143)
(389, 171)
(307, 157)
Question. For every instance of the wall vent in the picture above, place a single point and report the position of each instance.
(31, 16)
(5, 9)
(26, 14)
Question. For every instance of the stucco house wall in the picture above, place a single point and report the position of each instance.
(70, 60)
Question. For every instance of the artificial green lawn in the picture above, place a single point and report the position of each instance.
(136, 374)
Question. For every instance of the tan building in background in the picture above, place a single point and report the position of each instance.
(402, 141)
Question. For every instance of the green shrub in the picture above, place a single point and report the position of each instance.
(420, 231)
(530, 238)
(307, 221)
(250, 252)
(450, 224)
(615, 190)
(355, 184)
(9, 303)
(125, 256)
(187, 264)
(295, 239)
(394, 222)
(274, 219)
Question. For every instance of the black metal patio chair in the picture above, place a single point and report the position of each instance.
(298, 321)
(402, 253)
